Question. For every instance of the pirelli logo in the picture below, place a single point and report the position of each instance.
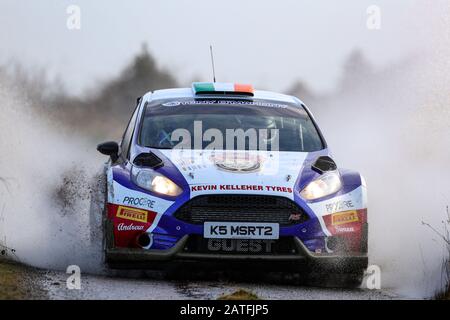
(344, 217)
(133, 214)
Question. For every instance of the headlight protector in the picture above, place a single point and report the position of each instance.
(328, 183)
(150, 180)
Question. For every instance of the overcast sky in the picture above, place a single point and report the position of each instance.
(267, 43)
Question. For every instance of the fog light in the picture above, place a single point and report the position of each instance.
(144, 240)
(332, 243)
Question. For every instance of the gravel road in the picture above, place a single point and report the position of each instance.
(154, 286)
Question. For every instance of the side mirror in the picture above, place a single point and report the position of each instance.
(109, 148)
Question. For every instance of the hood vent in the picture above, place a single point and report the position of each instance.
(149, 160)
(324, 164)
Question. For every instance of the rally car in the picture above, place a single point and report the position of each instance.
(224, 173)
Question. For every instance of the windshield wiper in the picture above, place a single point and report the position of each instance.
(162, 148)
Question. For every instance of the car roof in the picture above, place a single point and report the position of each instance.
(188, 93)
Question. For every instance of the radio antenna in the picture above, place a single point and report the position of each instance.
(212, 63)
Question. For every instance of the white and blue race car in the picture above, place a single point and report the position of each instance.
(224, 173)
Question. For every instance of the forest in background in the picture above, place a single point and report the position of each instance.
(102, 112)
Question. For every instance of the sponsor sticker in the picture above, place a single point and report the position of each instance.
(344, 217)
(344, 229)
(337, 206)
(139, 202)
(295, 217)
(171, 104)
(227, 102)
(133, 214)
(238, 163)
(129, 227)
(240, 187)
(240, 245)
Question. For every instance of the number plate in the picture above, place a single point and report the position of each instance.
(241, 230)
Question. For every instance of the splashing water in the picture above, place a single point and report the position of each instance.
(395, 130)
(49, 177)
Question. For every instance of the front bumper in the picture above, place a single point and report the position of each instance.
(138, 258)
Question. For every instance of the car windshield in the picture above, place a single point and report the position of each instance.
(228, 125)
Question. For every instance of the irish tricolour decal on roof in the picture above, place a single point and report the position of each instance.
(222, 88)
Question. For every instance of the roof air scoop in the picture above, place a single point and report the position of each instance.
(324, 164)
(149, 160)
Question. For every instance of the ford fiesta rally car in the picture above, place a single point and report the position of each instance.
(183, 187)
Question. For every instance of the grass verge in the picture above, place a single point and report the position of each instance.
(16, 282)
(240, 294)
(445, 236)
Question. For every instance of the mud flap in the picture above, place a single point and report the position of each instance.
(365, 238)
(108, 236)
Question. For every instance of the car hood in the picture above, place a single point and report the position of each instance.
(258, 172)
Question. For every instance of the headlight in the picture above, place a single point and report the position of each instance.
(326, 184)
(155, 182)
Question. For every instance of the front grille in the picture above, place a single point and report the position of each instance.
(282, 246)
(241, 208)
